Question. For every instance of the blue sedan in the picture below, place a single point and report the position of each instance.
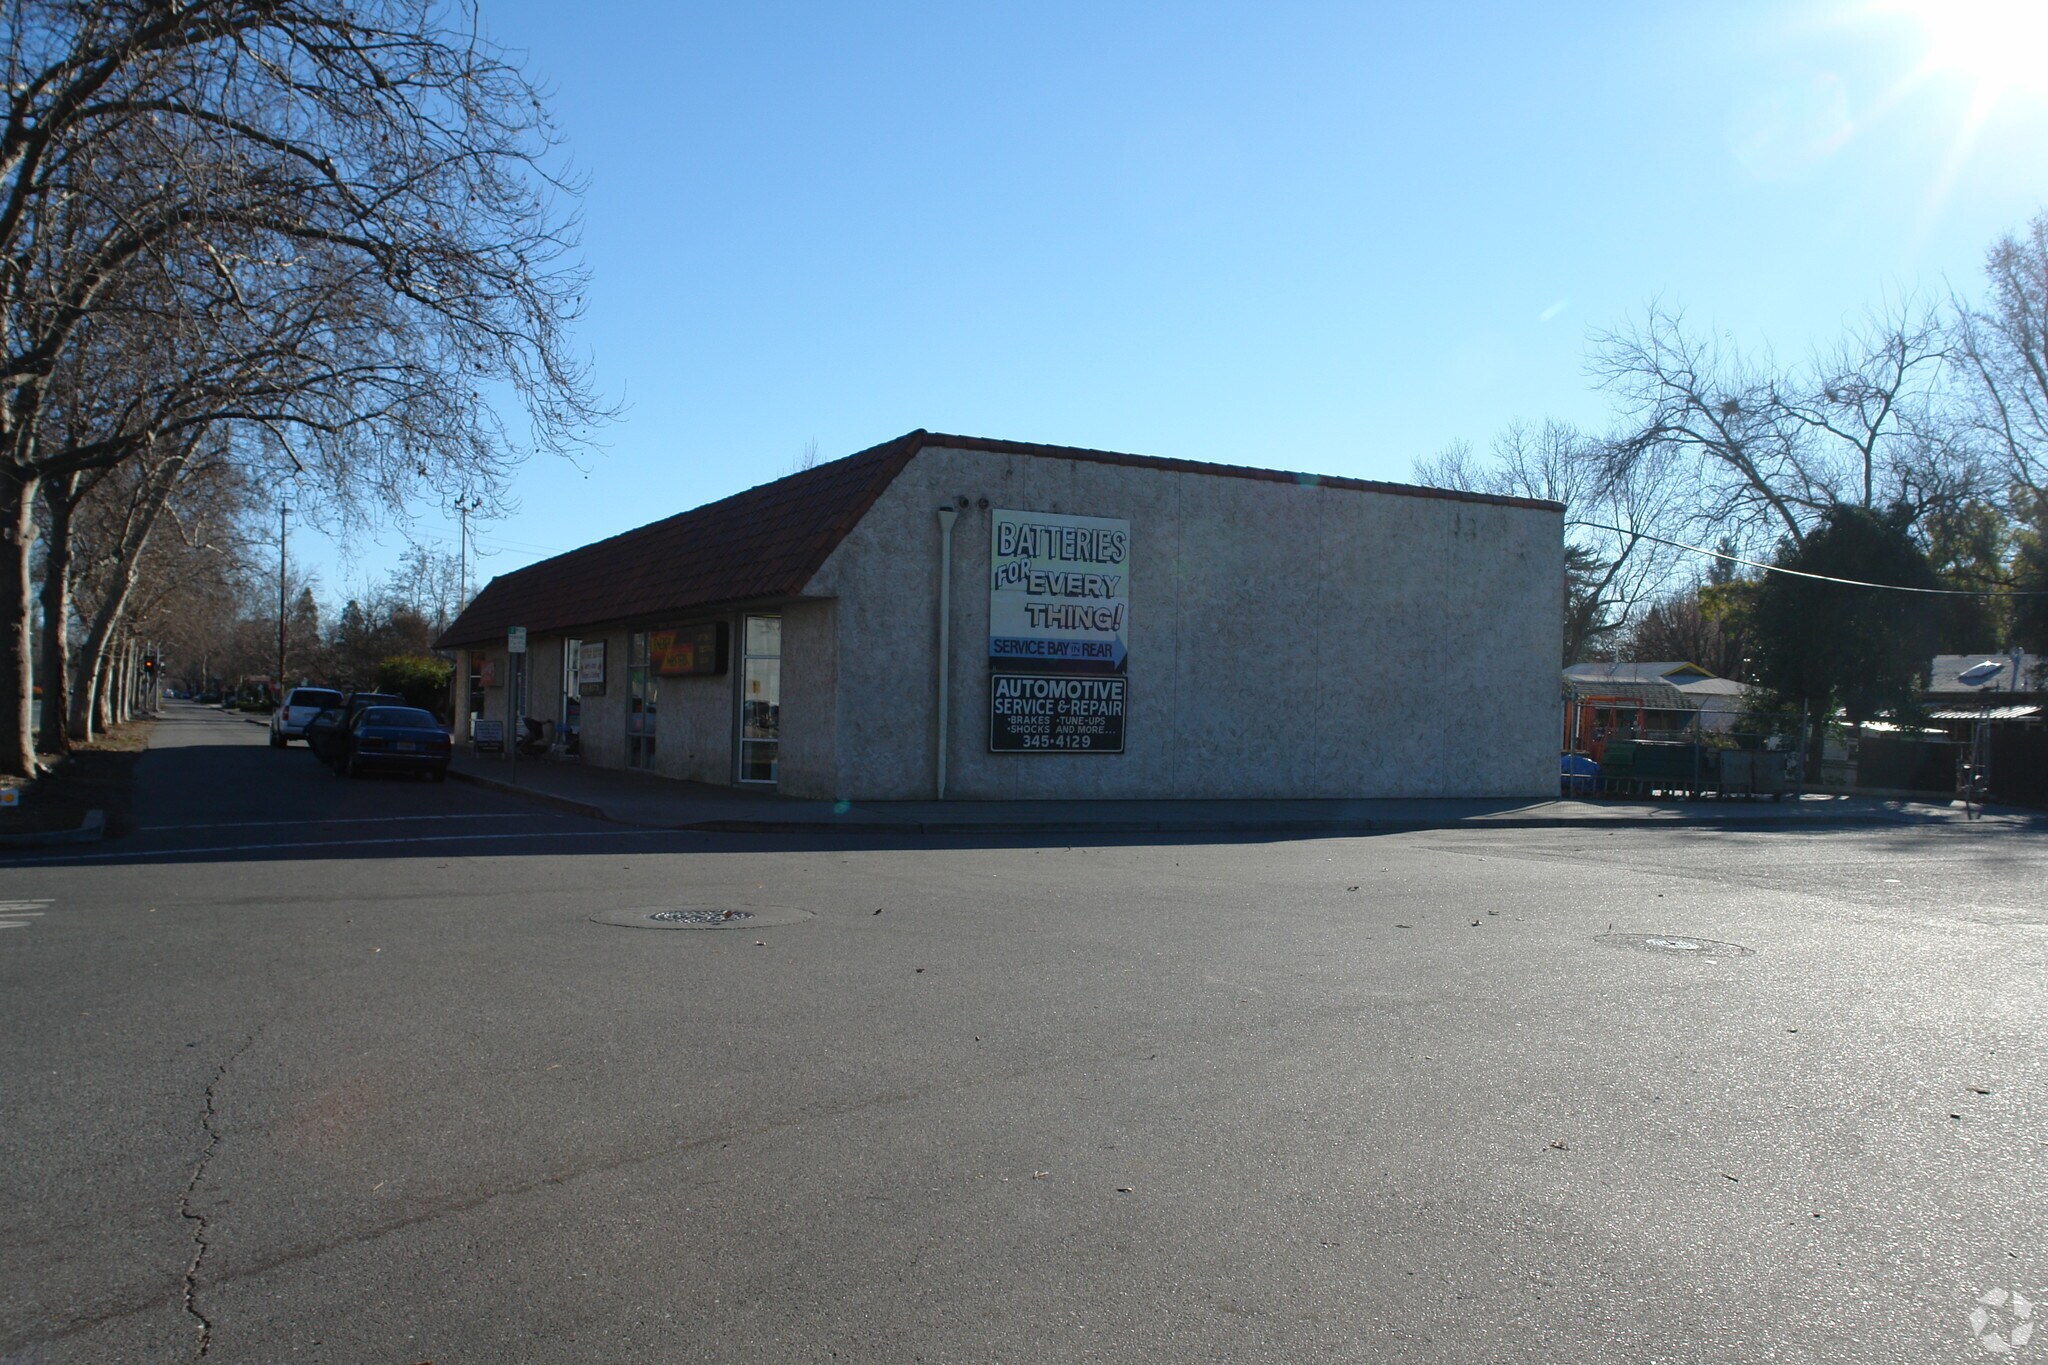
(396, 739)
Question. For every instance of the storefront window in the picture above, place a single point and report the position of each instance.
(761, 699)
(643, 695)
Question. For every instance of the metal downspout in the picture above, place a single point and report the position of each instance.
(946, 515)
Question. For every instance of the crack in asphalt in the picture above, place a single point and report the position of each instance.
(201, 1224)
(795, 1121)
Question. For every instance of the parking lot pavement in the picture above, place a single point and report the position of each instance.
(1587, 1095)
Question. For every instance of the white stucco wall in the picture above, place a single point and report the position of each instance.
(1287, 640)
(695, 728)
(808, 764)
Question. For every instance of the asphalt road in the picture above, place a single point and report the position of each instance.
(311, 1070)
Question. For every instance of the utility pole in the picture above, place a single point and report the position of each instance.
(281, 511)
(464, 506)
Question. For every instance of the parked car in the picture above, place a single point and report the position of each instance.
(395, 739)
(327, 733)
(288, 722)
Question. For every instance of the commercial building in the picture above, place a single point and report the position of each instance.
(981, 619)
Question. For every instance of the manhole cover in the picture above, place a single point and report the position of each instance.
(701, 916)
(1682, 945)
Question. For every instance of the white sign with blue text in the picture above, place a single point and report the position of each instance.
(1059, 590)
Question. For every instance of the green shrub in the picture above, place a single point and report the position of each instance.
(420, 678)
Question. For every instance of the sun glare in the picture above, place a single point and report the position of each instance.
(1998, 46)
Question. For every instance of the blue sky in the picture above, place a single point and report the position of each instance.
(1321, 237)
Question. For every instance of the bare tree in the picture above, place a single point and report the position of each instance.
(2004, 349)
(227, 155)
(1679, 626)
(1618, 513)
(1696, 400)
(159, 530)
(1769, 450)
(1878, 414)
(426, 582)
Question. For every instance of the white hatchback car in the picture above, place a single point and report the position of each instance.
(301, 704)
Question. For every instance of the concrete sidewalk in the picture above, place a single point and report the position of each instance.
(644, 800)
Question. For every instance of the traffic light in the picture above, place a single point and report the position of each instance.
(149, 665)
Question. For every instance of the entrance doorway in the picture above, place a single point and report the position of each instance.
(760, 698)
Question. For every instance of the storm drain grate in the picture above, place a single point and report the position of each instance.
(1679, 945)
(701, 917)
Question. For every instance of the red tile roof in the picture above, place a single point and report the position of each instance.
(764, 543)
(768, 542)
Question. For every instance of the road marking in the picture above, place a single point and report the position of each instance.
(351, 820)
(17, 914)
(347, 843)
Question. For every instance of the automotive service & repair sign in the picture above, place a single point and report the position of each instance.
(1053, 713)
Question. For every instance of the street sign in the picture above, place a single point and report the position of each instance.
(515, 640)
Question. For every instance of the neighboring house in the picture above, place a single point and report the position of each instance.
(1963, 689)
(1683, 692)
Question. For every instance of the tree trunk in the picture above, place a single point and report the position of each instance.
(85, 694)
(103, 694)
(106, 624)
(17, 588)
(61, 498)
(127, 681)
(100, 643)
(91, 700)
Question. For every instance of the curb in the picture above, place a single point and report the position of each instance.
(564, 803)
(90, 831)
(1612, 822)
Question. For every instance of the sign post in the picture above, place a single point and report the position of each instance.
(515, 694)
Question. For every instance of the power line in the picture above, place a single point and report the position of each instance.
(1801, 573)
(491, 539)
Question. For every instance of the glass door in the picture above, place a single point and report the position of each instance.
(643, 693)
(760, 698)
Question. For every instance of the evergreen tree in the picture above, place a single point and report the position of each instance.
(1834, 645)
